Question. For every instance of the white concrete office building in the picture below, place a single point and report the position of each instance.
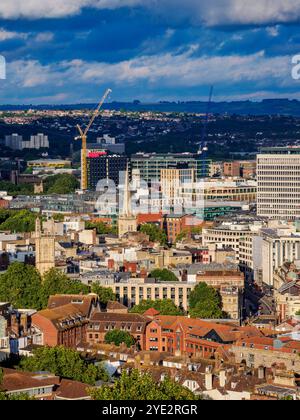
(278, 189)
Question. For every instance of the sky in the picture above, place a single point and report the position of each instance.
(70, 51)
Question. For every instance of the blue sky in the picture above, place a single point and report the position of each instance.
(66, 51)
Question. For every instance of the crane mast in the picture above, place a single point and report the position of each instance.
(83, 137)
(203, 146)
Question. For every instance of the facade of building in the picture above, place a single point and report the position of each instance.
(276, 249)
(174, 179)
(287, 300)
(174, 225)
(262, 351)
(150, 165)
(278, 177)
(44, 249)
(102, 323)
(233, 235)
(39, 141)
(133, 292)
(62, 326)
(103, 166)
(111, 144)
(223, 274)
(232, 169)
(230, 190)
(136, 290)
(46, 164)
(193, 337)
(14, 141)
(244, 169)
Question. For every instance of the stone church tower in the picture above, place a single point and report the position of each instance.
(44, 249)
(127, 221)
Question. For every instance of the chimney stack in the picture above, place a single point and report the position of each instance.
(261, 372)
(222, 378)
(208, 379)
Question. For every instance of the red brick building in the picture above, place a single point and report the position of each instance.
(173, 225)
(232, 169)
(63, 326)
(182, 335)
(101, 323)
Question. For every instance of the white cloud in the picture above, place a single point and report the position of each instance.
(44, 37)
(273, 31)
(214, 12)
(39, 37)
(7, 35)
(246, 12)
(37, 8)
(28, 74)
(34, 9)
(170, 70)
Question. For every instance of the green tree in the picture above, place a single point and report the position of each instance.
(165, 307)
(105, 294)
(102, 228)
(58, 217)
(4, 215)
(61, 184)
(205, 302)
(182, 235)
(141, 386)
(163, 275)
(56, 282)
(20, 221)
(197, 230)
(21, 285)
(16, 397)
(117, 337)
(20, 189)
(155, 233)
(64, 362)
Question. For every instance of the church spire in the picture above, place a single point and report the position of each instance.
(127, 220)
(127, 208)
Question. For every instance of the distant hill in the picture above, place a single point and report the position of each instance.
(265, 107)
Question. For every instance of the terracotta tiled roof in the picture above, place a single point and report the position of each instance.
(115, 317)
(228, 333)
(72, 390)
(288, 345)
(115, 306)
(83, 302)
(134, 323)
(151, 312)
(63, 317)
(20, 381)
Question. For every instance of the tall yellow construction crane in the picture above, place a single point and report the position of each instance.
(83, 137)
